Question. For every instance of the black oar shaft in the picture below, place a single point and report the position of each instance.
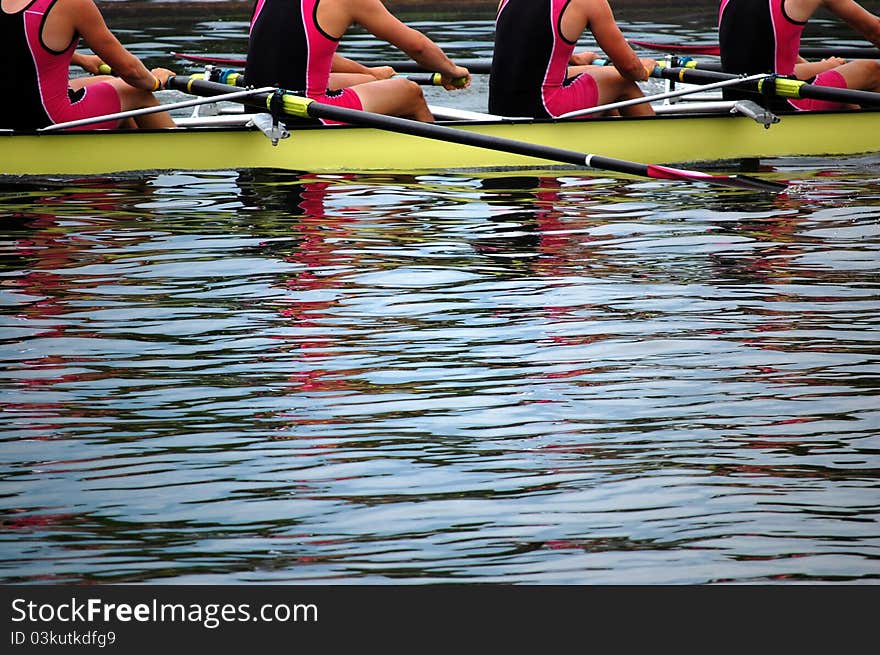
(428, 130)
(854, 96)
(782, 87)
(443, 133)
(280, 102)
(474, 66)
(550, 153)
(846, 53)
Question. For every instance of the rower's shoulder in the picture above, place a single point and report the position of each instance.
(81, 7)
(593, 9)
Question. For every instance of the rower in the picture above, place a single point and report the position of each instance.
(292, 46)
(535, 71)
(763, 36)
(40, 38)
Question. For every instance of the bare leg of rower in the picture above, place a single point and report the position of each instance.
(862, 74)
(395, 97)
(859, 74)
(614, 88)
(131, 98)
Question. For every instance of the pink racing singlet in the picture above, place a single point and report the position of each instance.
(40, 76)
(530, 63)
(288, 49)
(757, 36)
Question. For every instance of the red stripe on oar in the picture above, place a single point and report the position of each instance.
(740, 181)
(674, 47)
(667, 173)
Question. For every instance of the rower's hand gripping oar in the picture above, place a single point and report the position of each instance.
(306, 108)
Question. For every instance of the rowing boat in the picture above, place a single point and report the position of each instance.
(697, 132)
(213, 145)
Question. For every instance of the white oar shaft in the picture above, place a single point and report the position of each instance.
(661, 96)
(153, 110)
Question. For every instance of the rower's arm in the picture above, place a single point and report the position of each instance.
(857, 17)
(345, 65)
(89, 23)
(804, 69)
(597, 15)
(375, 18)
(89, 63)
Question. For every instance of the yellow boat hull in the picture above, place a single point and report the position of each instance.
(662, 139)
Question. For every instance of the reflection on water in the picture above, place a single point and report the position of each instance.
(537, 377)
(521, 377)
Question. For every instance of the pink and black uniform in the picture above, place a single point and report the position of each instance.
(288, 49)
(757, 36)
(530, 63)
(40, 77)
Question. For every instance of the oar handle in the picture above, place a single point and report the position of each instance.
(423, 79)
(433, 79)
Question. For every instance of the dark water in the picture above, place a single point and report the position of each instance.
(531, 377)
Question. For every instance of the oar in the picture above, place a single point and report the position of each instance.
(236, 78)
(476, 66)
(806, 51)
(678, 48)
(305, 108)
(834, 51)
(779, 86)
